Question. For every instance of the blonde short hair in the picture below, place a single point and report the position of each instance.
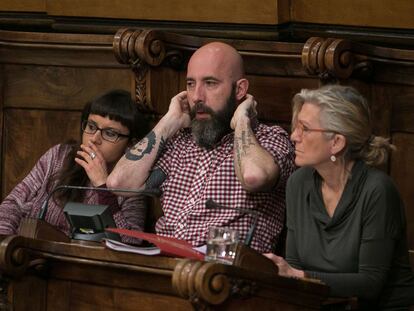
(345, 111)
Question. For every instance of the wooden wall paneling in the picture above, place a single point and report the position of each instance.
(402, 172)
(58, 87)
(370, 13)
(57, 54)
(393, 14)
(402, 130)
(28, 134)
(403, 108)
(274, 96)
(23, 5)
(163, 84)
(229, 11)
(381, 102)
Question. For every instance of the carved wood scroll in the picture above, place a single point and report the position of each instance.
(209, 286)
(333, 59)
(14, 259)
(141, 49)
(201, 282)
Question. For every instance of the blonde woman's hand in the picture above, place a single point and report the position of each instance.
(284, 268)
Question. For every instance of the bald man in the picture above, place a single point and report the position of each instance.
(210, 145)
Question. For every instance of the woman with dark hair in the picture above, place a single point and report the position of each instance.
(110, 124)
(345, 218)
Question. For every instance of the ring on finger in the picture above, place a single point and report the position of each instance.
(92, 155)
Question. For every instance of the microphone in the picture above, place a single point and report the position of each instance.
(210, 204)
(154, 192)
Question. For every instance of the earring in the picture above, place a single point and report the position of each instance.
(333, 158)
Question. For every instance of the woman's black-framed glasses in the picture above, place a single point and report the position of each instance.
(107, 134)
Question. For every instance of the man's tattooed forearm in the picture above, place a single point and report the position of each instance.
(160, 148)
(143, 147)
(237, 150)
(246, 139)
(242, 144)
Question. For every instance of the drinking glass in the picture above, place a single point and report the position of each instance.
(221, 244)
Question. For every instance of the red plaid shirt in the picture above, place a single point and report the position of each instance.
(195, 174)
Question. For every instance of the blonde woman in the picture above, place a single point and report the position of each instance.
(345, 219)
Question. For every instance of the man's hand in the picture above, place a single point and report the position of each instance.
(247, 109)
(179, 110)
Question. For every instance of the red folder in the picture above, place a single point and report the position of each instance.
(168, 245)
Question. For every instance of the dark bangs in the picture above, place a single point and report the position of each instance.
(118, 106)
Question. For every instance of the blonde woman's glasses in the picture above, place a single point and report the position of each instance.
(301, 129)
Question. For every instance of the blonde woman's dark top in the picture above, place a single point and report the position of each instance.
(362, 250)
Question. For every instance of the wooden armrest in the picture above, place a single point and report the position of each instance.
(249, 258)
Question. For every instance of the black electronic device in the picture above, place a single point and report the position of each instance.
(88, 222)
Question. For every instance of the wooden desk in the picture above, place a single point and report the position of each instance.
(74, 276)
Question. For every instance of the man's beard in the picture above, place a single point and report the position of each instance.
(207, 133)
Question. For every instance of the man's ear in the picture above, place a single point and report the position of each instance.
(242, 85)
(338, 144)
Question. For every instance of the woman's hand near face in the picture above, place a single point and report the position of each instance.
(284, 268)
(92, 160)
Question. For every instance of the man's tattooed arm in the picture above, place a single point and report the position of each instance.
(143, 147)
(160, 148)
(242, 144)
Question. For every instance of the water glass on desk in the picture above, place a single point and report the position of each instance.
(221, 245)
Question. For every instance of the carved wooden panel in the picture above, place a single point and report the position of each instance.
(164, 83)
(274, 96)
(28, 134)
(58, 87)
